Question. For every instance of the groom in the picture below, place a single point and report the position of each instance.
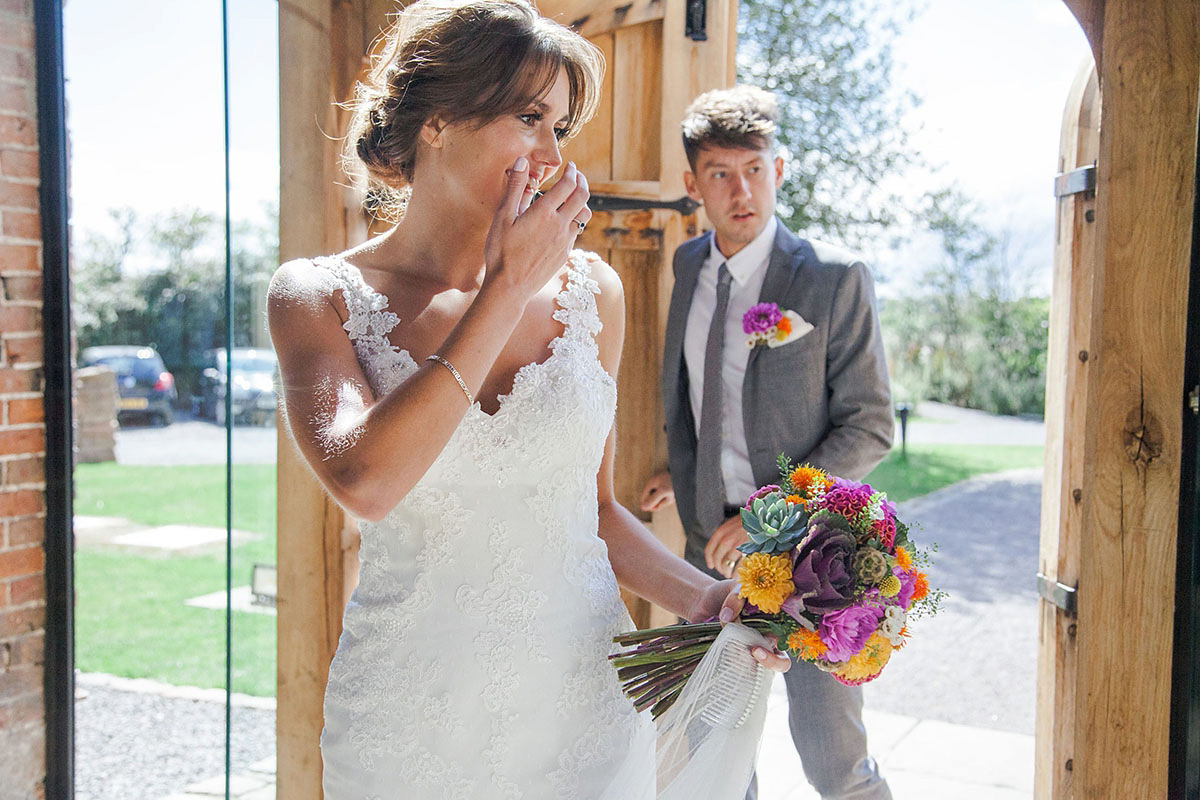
(821, 398)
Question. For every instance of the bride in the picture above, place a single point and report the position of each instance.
(451, 383)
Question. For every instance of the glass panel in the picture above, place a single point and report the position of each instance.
(250, 390)
(150, 323)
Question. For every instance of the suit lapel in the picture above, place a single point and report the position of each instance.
(686, 275)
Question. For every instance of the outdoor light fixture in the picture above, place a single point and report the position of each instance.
(263, 584)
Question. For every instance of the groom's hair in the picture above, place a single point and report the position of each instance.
(744, 116)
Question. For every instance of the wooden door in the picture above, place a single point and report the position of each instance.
(661, 54)
(1070, 332)
(633, 150)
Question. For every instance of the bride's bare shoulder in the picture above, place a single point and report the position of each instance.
(301, 282)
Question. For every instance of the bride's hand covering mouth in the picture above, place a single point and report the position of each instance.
(529, 240)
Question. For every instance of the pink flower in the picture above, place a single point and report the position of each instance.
(846, 630)
(908, 582)
(885, 529)
(761, 318)
(847, 498)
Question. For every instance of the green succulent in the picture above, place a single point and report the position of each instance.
(774, 525)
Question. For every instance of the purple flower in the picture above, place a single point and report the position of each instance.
(761, 318)
(908, 582)
(847, 630)
(822, 572)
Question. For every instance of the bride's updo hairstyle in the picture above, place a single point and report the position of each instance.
(462, 61)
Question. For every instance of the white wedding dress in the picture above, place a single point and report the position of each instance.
(473, 659)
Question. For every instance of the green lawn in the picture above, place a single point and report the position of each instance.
(131, 619)
(932, 466)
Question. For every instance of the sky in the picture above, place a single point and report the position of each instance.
(144, 93)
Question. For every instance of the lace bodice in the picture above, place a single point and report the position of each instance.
(473, 658)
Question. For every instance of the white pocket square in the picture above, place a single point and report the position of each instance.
(794, 328)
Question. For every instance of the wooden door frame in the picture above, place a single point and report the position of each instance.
(1110, 732)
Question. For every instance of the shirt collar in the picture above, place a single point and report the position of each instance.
(751, 258)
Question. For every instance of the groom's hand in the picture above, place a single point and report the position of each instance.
(659, 492)
(721, 553)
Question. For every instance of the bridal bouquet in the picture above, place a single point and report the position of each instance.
(829, 571)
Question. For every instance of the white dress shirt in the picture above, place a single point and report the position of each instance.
(748, 268)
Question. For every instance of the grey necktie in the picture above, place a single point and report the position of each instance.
(710, 485)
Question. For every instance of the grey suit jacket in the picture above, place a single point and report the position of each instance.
(823, 398)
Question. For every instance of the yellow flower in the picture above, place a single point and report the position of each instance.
(890, 586)
(903, 559)
(868, 663)
(766, 580)
(806, 644)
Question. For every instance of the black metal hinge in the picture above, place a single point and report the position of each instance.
(1077, 181)
(1057, 594)
(606, 202)
(695, 22)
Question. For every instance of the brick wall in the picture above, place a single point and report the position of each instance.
(22, 431)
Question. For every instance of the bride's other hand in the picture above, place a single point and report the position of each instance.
(723, 596)
(526, 247)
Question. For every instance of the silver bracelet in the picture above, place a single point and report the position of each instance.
(461, 383)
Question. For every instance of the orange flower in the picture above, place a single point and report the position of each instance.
(795, 499)
(903, 559)
(921, 587)
(804, 476)
(806, 644)
(784, 326)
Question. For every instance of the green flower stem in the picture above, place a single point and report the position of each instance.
(639, 671)
(652, 696)
(680, 669)
(662, 705)
(661, 657)
(633, 637)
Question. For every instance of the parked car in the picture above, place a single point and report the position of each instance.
(253, 395)
(144, 386)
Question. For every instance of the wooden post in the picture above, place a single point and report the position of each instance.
(322, 44)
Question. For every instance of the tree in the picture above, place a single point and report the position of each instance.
(103, 302)
(968, 334)
(174, 300)
(829, 64)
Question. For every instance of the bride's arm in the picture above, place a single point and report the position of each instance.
(640, 561)
(367, 451)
